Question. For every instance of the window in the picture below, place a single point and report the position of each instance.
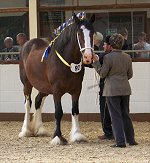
(12, 24)
(49, 22)
(14, 19)
(57, 2)
(108, 20)
(14, 3)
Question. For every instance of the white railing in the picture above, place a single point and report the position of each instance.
(13, 56)
(132, 53)
(127, 51)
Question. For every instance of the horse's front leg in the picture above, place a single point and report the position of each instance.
(75, 135)
(58, 139)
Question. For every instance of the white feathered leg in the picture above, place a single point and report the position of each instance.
(25, 131)
(75, 135)
(37, 124)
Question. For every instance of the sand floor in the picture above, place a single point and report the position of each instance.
(39, 150)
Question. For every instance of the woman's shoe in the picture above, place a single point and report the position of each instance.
(133, 143)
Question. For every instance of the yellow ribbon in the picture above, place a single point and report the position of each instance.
(61, 58)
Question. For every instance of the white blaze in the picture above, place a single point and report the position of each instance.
(87, 40)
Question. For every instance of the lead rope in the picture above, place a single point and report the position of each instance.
(96, 82)
(97, 88)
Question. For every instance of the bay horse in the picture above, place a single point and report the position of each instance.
(61, 72)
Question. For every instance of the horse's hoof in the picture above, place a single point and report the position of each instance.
(25, 133)
(41, 132)
(78, 138)
(63, 140)
(58, 141)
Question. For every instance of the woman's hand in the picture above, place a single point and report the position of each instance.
(95, 57)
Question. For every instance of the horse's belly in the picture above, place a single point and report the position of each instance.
(37, 77)
(41, 85)
(49, 79)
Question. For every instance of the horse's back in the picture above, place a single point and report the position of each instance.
(33, 44)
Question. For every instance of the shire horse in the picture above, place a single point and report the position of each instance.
(61, 72)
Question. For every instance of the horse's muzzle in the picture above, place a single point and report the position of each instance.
(87, 56)
(87, 59)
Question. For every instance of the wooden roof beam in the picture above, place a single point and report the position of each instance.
(96, 7)
(10, 10)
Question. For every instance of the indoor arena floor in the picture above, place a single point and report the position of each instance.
(39, 150)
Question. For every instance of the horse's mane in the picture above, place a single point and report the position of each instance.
(66, 36)
(69, 34)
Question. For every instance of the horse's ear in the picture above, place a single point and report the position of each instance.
(92, 18)
(76, 19)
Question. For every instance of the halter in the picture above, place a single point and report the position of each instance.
(82, 49)
(74, 67)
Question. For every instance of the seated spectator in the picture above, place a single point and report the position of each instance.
(124, 33)
(97, 40)
(8, 42)
(21, 38)
(142, 45)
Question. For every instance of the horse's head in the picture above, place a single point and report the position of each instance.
(85, 34)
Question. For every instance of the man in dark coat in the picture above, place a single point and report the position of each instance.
(105, 116)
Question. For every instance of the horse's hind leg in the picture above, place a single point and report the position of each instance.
(36, 124)
(58, 139)
(25, 131)
(75, 135)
